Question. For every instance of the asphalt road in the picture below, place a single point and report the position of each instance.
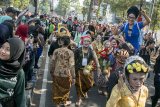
(42, 93)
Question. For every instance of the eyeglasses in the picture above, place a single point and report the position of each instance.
(130, 17)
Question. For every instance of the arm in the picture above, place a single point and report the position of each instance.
(147, 19)
(72, 65)
(115, 97)
(19, 91)
(96, 60)
(52, 63)
(51, 49)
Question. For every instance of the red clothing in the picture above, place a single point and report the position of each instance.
(22, 31)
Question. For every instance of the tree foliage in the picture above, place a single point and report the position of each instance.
(120, 6)
(155, 23)
(76, 5)
(44, 7)
(63, 6)
(20, 4)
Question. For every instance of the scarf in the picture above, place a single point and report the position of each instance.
(10, 68)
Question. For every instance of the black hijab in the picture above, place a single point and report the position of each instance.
(11, 67)
(4, 34)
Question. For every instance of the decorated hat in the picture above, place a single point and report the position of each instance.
(136, 64)
(62, 31)
(122, 55)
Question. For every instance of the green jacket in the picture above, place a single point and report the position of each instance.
(51, 28)
(14, 89)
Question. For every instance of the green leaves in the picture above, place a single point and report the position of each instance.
(21, 4)
(62, 7)
(121, 6)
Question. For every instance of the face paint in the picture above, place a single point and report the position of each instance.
(86, 42)
(136, 80)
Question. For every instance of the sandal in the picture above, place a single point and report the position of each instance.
(105, 93)
(68, 103)
(100, 92)
(79, 102)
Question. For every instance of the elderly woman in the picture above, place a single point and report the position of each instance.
(130, 91)
(83, 59)
(12, 83)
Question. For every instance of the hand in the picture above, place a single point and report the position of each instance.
(143, 12)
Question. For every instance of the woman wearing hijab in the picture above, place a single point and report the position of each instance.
(83, 66)
(12, 83)
(130, 90)
(132, 28)
(4, 35)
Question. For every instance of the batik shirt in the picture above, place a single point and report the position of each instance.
(63, 60)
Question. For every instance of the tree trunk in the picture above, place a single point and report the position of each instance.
(90, 11)
(36, 7)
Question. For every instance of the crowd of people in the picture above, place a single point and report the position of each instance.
(115, 58)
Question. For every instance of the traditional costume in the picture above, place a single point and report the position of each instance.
(122, 94)
(83, 66)
(62, 71)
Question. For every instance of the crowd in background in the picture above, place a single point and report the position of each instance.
(87, 54)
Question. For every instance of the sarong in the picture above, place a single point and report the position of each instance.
(61, 89)
(83, 83)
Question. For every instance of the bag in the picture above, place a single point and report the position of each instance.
(102, 80)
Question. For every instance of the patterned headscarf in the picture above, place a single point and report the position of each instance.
(83, 37)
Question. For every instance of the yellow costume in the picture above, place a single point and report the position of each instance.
(97, 47)
(124, 98)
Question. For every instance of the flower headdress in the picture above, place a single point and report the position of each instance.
(133, 64)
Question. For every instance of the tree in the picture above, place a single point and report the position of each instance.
(155, 23)
(90, 11)
(84, 11)
(63, 6)
(120, 6)
(20, 4)
(76, 5)
(44, 7)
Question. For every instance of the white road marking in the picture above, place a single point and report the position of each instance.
(44, 85)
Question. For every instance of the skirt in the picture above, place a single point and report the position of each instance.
(61, 89)
(83, 83)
